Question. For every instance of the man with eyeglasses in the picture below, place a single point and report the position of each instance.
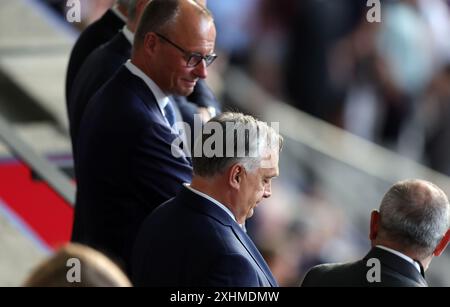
(126, 166)
(104, 61)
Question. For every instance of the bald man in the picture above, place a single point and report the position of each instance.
(125, 163)
(411, 226)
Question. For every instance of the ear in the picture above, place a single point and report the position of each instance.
(235, 174)
(374, 225)
(442, 244)
(150, 43)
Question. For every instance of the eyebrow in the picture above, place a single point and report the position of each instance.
(272, 176)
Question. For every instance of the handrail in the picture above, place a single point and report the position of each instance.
(50, 174)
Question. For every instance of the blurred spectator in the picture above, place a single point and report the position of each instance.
(316, 27)
(91, 10)
(435, 118)
(268, 46)
(296, 231)
(99, 66)
(96, 270)
(235, 25)
(95, 35)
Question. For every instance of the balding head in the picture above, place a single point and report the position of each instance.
(414, 214)
(174, 44)
(168, 16)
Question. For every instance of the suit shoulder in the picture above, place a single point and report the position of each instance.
(123, 91)
(335, 274)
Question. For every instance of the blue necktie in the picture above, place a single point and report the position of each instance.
(169, 112)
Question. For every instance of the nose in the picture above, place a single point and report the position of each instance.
(267, 191)
(200, 70)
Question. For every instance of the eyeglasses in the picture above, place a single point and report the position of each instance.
(193, 58)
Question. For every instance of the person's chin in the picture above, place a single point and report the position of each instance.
(185, 91)
(250, 213)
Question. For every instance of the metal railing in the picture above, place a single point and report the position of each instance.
(49, 173)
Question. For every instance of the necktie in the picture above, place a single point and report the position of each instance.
(169, 112)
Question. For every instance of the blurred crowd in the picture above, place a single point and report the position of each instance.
(387, 82)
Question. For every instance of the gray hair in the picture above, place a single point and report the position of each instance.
(161, 14)
(415, 214)
(243, 139)
(132, 4)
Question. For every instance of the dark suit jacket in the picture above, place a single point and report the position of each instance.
(395, 272)
(98, 68)
(92, 37)
(125, 166)
(191, 242)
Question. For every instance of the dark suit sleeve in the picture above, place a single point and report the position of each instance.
(308, 281)
(159, 173)
(98, 68)
(233, 270)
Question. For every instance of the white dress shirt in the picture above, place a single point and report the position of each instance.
(128, 35)
(403, 256)
(118, 13)
(161, 98)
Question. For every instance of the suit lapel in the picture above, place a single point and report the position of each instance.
(192, 200)
(253, 251)
(145, 94)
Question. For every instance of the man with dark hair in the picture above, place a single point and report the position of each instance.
(92, 37)
(198, 238)
(411, 227)
(125, 165)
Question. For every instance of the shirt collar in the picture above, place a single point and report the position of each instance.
(128, 34)
(410, 260)
(161, 98)
(220, 205)
(118, 13)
